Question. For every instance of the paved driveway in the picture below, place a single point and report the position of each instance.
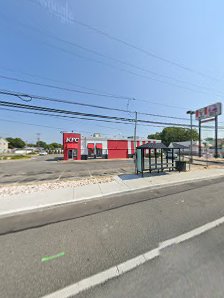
(50, 168)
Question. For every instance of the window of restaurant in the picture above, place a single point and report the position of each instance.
(90, 147)
(99, 149)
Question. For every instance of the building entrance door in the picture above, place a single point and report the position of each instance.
(91, 153)
(98, 152)
(72, 154)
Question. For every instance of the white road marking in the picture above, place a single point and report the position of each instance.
(151, 254)
(126, 266)
(59, 177)
(90, 174)
(130, 264)
(192, 233)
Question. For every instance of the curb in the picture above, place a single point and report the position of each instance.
(86, 199)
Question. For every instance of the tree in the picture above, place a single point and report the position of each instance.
(55, 146)
(209, 139)
(156, 136)
(16, 143)
(41, 144)
(175, 134)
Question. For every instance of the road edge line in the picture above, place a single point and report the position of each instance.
(104, 276)
(131, 264)
(191, 234)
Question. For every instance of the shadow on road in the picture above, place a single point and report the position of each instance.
(57, 158)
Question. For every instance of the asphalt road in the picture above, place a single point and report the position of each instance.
(49, 168)
(192, 269)
(96, 242)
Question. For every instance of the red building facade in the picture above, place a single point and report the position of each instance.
(72, 146)
(77, 147)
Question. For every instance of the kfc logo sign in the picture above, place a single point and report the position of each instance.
(209, 111)
(72, 140)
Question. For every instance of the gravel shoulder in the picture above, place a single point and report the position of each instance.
(5, 191)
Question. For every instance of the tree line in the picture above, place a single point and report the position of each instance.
(175, 134)
(19, 143)
(167, 136)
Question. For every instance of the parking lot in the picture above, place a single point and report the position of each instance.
(50, 167)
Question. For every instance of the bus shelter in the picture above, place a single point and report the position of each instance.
(157, 157)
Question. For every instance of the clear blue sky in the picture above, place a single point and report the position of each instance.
(187, 32)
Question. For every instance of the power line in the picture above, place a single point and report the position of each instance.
(80, 118)
(98, 94)
(51, 110)
(120, 69)
(21, 95)
(27, 123)
(162, 116)
(127, 64)
(83, 92)
(69, 118)
(201, 89)
(25, 95)
(64, 116)
(60, 88)
(32, 96)
(52, 36)
(45, 109)
(137, 48)
(56, 81)
(127, 71)
(98, 91)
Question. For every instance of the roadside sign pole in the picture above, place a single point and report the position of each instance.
(191, 113)
(206, 114)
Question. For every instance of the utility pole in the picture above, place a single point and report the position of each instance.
(216, 136)
(135, 130)
(38, 137)
(135, 143)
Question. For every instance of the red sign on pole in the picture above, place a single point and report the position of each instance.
(209, 111)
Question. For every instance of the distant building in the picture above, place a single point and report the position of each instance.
(78, 147)
(211, 143)
(96, 135)
(26, 150)
(4, 145)
(187, 144)
(210, 151)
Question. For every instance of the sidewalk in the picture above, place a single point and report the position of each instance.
(24, 202)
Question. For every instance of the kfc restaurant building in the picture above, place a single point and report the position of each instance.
(77, 147)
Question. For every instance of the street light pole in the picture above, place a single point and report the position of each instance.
(191, 113)
(135, 130)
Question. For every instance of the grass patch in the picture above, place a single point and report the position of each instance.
(15, 157)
